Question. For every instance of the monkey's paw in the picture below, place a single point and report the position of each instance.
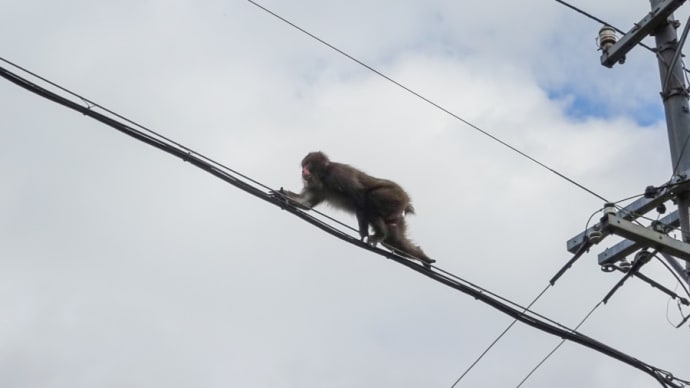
(280, 195)
(372, 240)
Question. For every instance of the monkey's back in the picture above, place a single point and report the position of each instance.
(351, 189)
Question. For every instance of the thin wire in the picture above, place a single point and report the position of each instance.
(629, 198)
(685, 318)
(498, 338)
(551, 283)
(680, 310)
(425, 99)
(349, 56)
(600, 21)
(668, 306)
(191, 154)
(529, 306)
(681, 281)
(92, 104)
(587, 317)
(558, 346)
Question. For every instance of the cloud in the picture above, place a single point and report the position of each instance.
(120, 265)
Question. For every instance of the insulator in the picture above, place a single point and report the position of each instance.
(609, 208)
(594, 236)
(661, 208)
(607, 37)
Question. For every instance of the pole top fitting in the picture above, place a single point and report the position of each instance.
(607, 38)
(609, 208)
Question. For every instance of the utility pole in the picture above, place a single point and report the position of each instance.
(674, 93)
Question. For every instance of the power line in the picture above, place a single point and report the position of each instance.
(632, 271)
(427, 100)
(558, 346)
(499, 303)
(578, 10)
(665, 82)
(495, 341)
(680, 281)
(93, 104)
(600, 21)
(583, 248)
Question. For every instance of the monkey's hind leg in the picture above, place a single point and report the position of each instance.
(399, 243)
(413, 252)
(381, 231)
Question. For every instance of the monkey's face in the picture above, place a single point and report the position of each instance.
(311, 179)
(306, 173)
(314, 167)
(311, 174)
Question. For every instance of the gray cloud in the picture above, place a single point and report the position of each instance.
(122, 266)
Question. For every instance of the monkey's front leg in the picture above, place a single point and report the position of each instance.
(379, 226)
(304, 200)
(381, 231)
(363, 223)
(289, 197)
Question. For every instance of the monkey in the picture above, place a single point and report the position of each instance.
(379, 203)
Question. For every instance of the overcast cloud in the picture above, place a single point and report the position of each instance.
(121, 266)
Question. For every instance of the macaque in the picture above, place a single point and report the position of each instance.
(379, 203)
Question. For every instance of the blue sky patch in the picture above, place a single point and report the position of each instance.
(582, 107)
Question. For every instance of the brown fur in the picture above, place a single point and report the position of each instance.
(379, 203)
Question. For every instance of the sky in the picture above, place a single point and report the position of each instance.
(123, 266)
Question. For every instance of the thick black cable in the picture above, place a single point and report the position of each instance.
(641, 259)
(462, 286)
(633, 271)
(586, 244)
(659, 287)
(540, 363)
(432, 103)
(583, 248)
(93, 104)
(495, 341)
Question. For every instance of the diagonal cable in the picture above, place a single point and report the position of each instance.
(428, 101)
(499, 303)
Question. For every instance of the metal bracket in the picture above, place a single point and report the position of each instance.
(629, 212)
(625, 248)
(641, 206)
(644, 27)
(645, 237)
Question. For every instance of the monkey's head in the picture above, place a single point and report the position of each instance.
(314, 166)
